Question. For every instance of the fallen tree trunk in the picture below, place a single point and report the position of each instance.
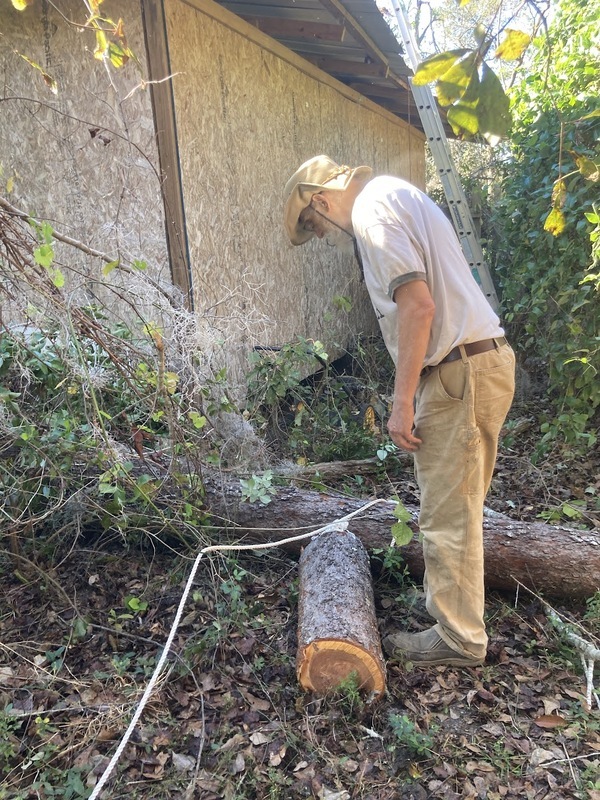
(554, 561)
(338, 636)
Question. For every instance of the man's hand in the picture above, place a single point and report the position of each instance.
(400, 426)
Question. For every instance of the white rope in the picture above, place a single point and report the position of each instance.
(588, 654)
(339, 525)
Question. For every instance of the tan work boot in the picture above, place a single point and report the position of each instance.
(427, 648)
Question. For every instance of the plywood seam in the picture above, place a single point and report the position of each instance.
(167, 141)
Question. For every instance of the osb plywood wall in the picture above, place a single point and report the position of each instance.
(247, 116)
(84, 158)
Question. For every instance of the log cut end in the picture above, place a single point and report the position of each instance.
(337, 627)
(326, 663)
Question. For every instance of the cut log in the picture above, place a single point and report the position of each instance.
(555, 561)
(338, 638)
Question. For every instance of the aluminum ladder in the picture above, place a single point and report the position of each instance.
(438, 144)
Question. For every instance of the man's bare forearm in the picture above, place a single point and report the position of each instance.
(415, 314)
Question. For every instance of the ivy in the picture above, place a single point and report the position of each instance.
(547, 218)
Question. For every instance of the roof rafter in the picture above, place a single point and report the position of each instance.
(357, 31)
(292, 28)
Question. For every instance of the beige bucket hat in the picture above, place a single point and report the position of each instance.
(316, 174)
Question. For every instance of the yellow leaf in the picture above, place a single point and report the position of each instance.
(119, 30)
(21, 5)
(555, 222)
(559, 194)
(457, 80)
(101, 45)
(171, 381)
(436, 66)
(10, 185)
(108, 268)
(48, 79)
(589, 170)
(514, 45)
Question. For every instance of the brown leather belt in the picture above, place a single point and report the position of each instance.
(471, 349)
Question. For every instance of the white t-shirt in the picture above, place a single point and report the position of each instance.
(403, 236)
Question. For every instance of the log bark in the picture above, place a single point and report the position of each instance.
(337, 628)
(554, 561)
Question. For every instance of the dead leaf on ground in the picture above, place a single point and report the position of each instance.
(550, 721)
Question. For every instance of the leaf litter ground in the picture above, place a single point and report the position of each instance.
(228, 719)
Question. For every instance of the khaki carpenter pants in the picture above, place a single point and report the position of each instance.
(460, 409)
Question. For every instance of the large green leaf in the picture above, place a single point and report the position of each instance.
(494, 107)
(463, 119)
(436, 66)
(463, 115)
(456, 80)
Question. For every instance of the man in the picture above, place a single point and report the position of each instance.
(454, 378)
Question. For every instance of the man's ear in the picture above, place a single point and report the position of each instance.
(321, 202)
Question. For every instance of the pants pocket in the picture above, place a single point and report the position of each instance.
(494, 390)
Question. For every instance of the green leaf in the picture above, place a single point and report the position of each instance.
(108, 268)
(47, 232)
(58, 279)
(137, 264)
(436, 66)
(198, 420)
(401, 534)
(494, 107)
(457, 80)
(513, 45)
(118, 55)
(555, 222)
(79, 628)
(463, 115)
(44, 255)
(134, 603)
(401, 512)
(571, 512)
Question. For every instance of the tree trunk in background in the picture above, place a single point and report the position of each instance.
(554, 561)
